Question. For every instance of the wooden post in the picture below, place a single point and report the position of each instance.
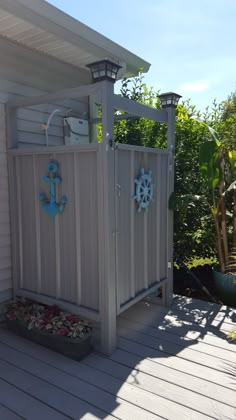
(93, 115)
(108, 282)
(11, 123)
(168, 288)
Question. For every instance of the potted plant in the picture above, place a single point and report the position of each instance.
(218, 171)
(217, 163)
(50, 326)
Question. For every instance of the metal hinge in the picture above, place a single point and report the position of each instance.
(118, 190)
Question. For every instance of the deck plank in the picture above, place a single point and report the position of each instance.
(146, 403)
(78, 380)
(197, 307)
(52, 396)
(24, 405)
(152, 314)
(181, 365)
(178, 340)
(7, 414)
(184, 395)
(165, 348)
(128, 367)
(171, 363)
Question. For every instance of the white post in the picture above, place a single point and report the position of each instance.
(168, 289)
(108, 282)
(93, 115)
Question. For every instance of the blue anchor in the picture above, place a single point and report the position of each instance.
(50, 205)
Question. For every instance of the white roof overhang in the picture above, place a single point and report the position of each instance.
(37, 25)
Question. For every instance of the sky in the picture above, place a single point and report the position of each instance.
(191, 45)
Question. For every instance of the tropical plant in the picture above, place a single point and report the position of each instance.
(217, 165)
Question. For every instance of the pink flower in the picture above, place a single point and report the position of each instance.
(72, 318)
(63, 331)
(11, 316)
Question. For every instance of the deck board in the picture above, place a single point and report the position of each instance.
(165, 348)
(7, 414)
(126, 327)
(170, 363)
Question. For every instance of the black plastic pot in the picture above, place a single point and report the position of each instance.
(76, 349)
(226, 287)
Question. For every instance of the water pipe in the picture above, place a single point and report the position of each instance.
(49, 122)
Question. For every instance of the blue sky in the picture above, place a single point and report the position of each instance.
(191, 45)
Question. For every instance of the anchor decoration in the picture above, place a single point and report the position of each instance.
(143, 190)
(50, 205)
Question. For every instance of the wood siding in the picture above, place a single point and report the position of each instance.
(58, 257)
(63, 258)
(30, 121)
(5, 233)
(141, 236)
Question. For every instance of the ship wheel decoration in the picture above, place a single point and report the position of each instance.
(50, 204)
(143, 190)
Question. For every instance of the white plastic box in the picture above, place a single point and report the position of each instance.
(76, 131)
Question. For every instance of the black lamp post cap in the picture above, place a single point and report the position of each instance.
(104, 70)
(169, 99)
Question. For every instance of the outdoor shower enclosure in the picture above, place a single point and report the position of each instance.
(100, 251)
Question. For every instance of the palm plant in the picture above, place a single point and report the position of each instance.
(218, 172)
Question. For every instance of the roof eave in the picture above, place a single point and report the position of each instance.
(49, 18)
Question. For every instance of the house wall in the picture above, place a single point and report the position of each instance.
(30, 120)
(27, 73)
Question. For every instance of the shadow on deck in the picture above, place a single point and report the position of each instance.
(170, 363)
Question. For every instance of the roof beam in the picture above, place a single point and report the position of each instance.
(72, 93)
(135, 108)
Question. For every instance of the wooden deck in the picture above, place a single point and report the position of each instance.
(171, 364)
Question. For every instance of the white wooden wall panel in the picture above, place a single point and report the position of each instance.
(58, 257)
(26, 220)
(67, 231)
(88, 208)
(153, 243)
(164, 203)
(139, 269)
(5, 242)
(124, 209)
(47, 234)
(140, 236)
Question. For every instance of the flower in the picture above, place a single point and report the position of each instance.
(49, 319)
(63, 331)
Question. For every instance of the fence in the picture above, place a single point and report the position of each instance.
(61, 259)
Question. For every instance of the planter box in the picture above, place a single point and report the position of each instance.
(76, 349)
(226, 287)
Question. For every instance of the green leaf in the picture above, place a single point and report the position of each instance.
(209, 163)
(183, 201)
